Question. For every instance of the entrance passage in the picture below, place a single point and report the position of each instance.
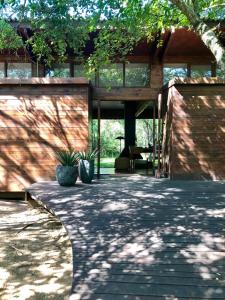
(127, 136)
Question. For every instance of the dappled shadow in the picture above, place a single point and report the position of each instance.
(142, 238)
(35, 254)
(36, 121)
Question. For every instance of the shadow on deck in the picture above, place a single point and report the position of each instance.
(141, 238)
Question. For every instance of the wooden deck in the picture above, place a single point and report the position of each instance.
(138, 238)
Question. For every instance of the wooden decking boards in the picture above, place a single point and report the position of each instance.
(138, 238)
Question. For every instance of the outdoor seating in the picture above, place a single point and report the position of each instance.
(122, 163)
(136, 157)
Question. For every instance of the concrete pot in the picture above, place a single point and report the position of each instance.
(66, 175)
(86, 170)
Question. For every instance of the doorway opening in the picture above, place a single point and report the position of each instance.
(127, 136)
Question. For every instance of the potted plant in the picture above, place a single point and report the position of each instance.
(87, 165)
(67, 170)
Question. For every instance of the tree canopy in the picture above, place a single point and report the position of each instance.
(61, 24)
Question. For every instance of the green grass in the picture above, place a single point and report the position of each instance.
(107, 162)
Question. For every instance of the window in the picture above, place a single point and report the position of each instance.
(2, 70)
(19, 70)
(59, 70)
(111, 76)
(174, 70)
(201, 71)
(79, 71)
(220, 73)
(137, 74)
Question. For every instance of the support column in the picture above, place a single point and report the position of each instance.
(99, 139)
(159, 139)
(130, 123)
(154, 140)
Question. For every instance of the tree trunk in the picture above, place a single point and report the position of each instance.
(210, 39)
(207, 34)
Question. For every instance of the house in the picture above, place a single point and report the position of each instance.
(43, 110)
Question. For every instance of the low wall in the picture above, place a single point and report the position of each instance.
(39, 116)
(194, 135)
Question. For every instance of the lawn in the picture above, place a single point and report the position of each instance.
(107, 162)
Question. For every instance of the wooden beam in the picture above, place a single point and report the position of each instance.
(141, 107)
(192, 59)
(44, 81)
(156, 48)
(125, 94)
(166, 46)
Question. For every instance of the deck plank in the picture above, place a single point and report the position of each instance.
(139, 238)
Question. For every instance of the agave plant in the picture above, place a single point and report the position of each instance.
(88, 155)
(67, 157)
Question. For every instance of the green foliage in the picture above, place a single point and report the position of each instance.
(137, 74)
(144, 132)
(67, 157)
(89, 155)
(63, 24)
(110, 129)
(111, 76)
(8, 37)
(169, 72)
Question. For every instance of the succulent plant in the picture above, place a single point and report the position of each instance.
(88, 155)
(67, 157)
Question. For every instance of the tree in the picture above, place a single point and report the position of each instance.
(196, 11)
(120, 24)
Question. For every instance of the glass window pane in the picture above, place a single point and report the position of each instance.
(19, 70)
(220, 73)
(2, 70)
(79, 71)
(110, 76)
(174, 70)
(137, 74)
(201, 71)
(59, 70)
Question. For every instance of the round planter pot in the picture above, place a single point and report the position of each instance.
(86, 170)
(66, 175)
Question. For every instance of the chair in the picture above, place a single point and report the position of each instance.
(134, 155)
(122, 163)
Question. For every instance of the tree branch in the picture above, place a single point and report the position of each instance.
(207, 34)
(188, 11)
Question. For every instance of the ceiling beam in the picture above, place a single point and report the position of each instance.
(165, 46)
(141, 107)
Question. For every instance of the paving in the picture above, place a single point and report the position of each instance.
(140, 238)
